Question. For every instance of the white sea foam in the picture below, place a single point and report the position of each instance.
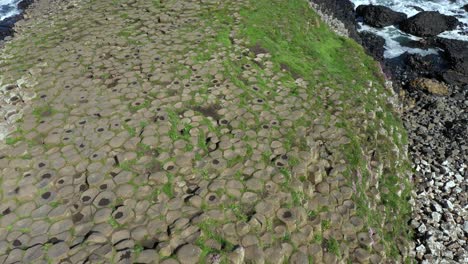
(8, 8)
(394, 37)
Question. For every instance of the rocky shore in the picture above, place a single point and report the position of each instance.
(6, 25)
(434, 97)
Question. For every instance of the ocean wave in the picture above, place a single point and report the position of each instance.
(394, 38)
(8, 8)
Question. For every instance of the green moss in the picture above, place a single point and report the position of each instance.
(305, 48)
(326, 224)
(131, 130)
(13, 140)
(168, 187)
(333, 246)
(127, 165)
(298, 198)
(318, 238)
(113, 223)
(138, 249)
(209, 231)
(43, 111)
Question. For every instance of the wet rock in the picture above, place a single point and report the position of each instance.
(24, 4)
(456, 52)
(417, 8)
(373, 44)
(429, 66)
(379, 16)
(343, 10)
(428, 24)
(455, 78)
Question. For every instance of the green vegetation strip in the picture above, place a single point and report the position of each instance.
(303, 45)
(294, 36)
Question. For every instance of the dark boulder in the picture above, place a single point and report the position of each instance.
(456, 53)
(6, 26)
(428, 24)
(10, 21)
(399, 70)
(465, 7)
(417, 8)
(428, 66)
(379, 16)
(373, 44)
(342, 10)
(455, 78)
(24, 4)
(5, 32)
(407, 67)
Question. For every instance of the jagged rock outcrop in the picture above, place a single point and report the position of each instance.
(379, 16)
(342, 10)
(429, 24)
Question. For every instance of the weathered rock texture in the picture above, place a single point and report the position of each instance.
(429, 24)
(141, 138)
(379, 16)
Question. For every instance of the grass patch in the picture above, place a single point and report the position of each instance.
(131, 130)
(303, 47)
(113, 222)
(43, 111)
(127, 165)
(209, 231)
(333, 246)
(168, 187)
(13, 140)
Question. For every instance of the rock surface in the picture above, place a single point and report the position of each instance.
(437, 133)
(343, 10)
(430, 85)
(373, 44)
(428, 24)
(24, 4)
(456, 52)
(455, 78)
(132, 140)
(438, 136)
(379, 16)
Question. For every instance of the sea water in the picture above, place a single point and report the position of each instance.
(8, 8)
(395, 39)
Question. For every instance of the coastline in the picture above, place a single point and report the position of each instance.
(7, 24)
(439, 151)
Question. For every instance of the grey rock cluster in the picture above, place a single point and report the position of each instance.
(438, 134)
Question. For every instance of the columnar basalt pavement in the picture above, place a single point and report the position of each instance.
(135, 136)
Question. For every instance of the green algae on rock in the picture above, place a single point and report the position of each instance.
(200, 131)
